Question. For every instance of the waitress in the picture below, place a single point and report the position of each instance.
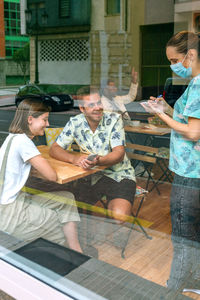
(183, 52)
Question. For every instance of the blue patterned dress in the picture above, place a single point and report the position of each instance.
(185, 154)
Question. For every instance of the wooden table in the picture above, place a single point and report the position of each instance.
(146, 128)
(66, 172)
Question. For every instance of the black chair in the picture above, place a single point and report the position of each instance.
(140, 193)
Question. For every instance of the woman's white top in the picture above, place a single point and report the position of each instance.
(18, 167)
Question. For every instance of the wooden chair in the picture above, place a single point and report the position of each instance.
(147, 156)
(51, 134)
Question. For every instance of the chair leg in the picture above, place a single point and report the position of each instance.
(135, 220)
(153, 180)
(166, 174)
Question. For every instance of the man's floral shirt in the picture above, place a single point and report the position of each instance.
(109, 134)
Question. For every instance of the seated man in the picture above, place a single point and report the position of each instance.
(114, 103)
(99, 133)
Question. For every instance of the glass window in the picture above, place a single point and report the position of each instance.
(13, 15)
(5, 5)
(13, 6)
(64, 8)
(6, 14)
(8, 52)
(113, 7)
(100, 223)
(12, 20)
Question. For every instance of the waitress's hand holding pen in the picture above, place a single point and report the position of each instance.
(159, 105)
(154, 105)
(159, 98)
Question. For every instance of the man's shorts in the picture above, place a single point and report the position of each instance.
(106, 186)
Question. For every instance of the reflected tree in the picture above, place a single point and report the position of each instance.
(22, 58)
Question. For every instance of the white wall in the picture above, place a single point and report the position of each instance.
(64, 72)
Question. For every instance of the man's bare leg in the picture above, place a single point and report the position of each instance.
(71, 235)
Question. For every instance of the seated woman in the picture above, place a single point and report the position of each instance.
(22, 215)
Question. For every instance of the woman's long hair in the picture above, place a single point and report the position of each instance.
(28, 107)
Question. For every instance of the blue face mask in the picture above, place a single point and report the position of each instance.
(180, 70)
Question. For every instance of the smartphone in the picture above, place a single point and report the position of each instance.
(91, 157)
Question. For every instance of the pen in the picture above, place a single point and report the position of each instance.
(160, 96)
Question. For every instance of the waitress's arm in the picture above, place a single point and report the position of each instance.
(43, 167)
(190, 131)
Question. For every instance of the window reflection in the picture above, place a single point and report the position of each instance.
(117, 47)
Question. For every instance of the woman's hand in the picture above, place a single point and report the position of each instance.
(157, 106)
(153, 106)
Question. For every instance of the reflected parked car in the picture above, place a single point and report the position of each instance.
(173, 89)
(53, 95)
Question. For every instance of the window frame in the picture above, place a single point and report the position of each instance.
(68, 5)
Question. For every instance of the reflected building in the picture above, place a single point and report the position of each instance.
(89, 41)
(10, 41)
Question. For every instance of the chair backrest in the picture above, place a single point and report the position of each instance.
(142, 153)
(51, 134)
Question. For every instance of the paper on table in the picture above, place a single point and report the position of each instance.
(159, 108)
(145, 105)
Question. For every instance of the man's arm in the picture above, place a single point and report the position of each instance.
(59, 153)
(131, 96)
(64, 140)
(116, 142)
(110, 159)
